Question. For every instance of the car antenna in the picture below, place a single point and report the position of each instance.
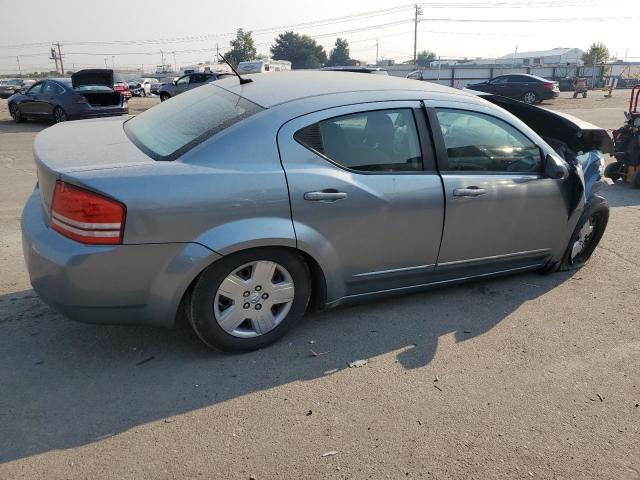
(242, 80)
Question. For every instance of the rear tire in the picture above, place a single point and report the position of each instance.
(612, 171)
(164, 97)
(59, 115)
(15, 113)
(587, 234)
(250, 299)
(530, 98)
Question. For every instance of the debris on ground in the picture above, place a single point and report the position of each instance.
(318, 354)
(600, 397)
(358, 363)
(330, 453)
(310, 412)
(436, 386)
(142, 362)
(311, 342)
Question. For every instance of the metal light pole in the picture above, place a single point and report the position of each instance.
(175, 64)
(113, 62)
(19, 69)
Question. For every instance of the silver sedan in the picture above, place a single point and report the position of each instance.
(245, 205)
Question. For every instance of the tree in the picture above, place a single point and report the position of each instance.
(301, 50)
(597, 50)
(425, 57)
(340, 54)
(242, 48)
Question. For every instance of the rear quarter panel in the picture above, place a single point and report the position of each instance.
(228, 193)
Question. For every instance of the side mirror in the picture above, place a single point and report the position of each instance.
(555, 167)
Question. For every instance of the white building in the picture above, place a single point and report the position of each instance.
(557, 56)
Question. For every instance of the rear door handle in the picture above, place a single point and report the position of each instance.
(328, 195)
(469, 192)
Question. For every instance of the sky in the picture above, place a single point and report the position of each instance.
(133, 34)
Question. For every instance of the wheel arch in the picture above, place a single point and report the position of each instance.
(317, 301)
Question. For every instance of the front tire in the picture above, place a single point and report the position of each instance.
(612, 171)
(586, 235)
(250, 299)
(530, 98)
(164, 97)
(15, 113)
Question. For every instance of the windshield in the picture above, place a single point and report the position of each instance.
(168, 130)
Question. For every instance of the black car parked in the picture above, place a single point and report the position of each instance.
(521, 86)
(87, 94)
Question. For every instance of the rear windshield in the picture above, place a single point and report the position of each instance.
(168, 130)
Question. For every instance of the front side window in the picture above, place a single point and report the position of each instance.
(376, 141)
(35, 89)
(482, 143)
(169, 129)
(183, 81)
(499, 81)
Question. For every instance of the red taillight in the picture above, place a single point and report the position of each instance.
(548, 86)
(87, 217)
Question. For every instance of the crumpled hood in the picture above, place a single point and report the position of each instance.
(93, 76)
(579, 135)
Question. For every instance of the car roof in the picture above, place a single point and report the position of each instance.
(275, 88)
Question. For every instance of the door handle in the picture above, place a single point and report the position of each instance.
(469, 192)
(328, 195)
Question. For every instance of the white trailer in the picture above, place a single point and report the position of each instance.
(261, 66)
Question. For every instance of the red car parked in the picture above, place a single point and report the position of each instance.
(123, 88)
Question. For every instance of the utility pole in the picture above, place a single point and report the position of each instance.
(105, 62)
(113, 62)
(513, 64)
(162, 54)
(19, 69)
(415, 32)
(593, 68)
(60, 56)
(175, 64)
(54, 57)
(217, 52)
(376, 51)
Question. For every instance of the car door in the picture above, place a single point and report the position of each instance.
(197, 79)
(365, 196)
(500, 208)
(29, 104)
(182, 84)
(48, 99)
(498, 85)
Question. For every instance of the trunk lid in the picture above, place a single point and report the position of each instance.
(72, 147)
(92, 77)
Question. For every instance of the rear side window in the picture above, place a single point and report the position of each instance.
(376, 141)
(171, 128)
(478, 142)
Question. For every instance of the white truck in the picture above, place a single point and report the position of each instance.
(261, 66)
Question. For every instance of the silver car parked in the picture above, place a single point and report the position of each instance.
(245, 205)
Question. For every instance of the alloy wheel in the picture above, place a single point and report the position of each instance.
(13, 111)
(529, 97)
(59, 115)
(585, 235)
(254, 299)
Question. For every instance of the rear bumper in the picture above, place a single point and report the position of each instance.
(122, 284)
(91, 112)
(549, 95)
